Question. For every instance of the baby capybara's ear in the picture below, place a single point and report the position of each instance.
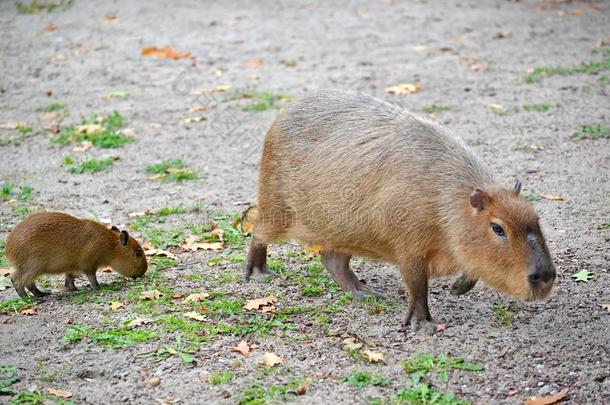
(114, 228)
(124, 237)
(479, 199)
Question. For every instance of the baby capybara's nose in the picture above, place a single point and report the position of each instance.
(541, 276)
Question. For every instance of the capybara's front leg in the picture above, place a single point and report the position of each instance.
(337, 264)
(35, 291)
(256, 262)
(92, 277)
(462, 285)
(19, 288)
(415, 277)
(69, 282)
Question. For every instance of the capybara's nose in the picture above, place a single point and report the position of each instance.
(541, 276)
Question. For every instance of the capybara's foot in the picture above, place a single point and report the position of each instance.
(20, 290)
(364, 292)
(462, 285)
(37, 293)
(257, 273)
(422, 326)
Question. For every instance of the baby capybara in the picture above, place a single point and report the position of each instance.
(56, 243)
(362, 177)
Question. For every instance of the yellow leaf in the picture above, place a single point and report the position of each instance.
(59, 393)
(197, 107)
(271, 359)
(161, 253)
(88, 128)
(169, 52)
(29, 311)
(243, 347)
(115, 305)
(374, 357)
(193, 119)
(49, 27)
(194, 315)
(551, 197)
(139, 321)
(351, 344)
(256, 303)
(403, 88)
(150, 295)
(196, 297)
(140, 214)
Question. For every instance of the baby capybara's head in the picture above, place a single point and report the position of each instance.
(505, 247)
(128, 259)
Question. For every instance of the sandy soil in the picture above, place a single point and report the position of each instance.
(306, 45)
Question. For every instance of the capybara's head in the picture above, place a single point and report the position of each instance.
(128, 259)
(505, 246)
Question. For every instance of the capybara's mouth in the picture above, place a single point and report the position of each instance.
(540, 291)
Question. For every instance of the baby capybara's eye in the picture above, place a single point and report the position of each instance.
(498, 230)
(138, 253)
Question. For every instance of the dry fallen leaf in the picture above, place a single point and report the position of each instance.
(374, 357)
(248, 219)
(169, 52)
(139, 321)
(192, 244)
(59, 393)
(160, 253)
(271, 359)
(83, 147)
(140, 214)
(551, 197)
(421, 48)
(190, 120)
(256, 303)
(49, 27)
(196, 297)
(476, 67)
(403, 88)
(243, 347)
(115, 305)
(29, 311)
(194, 315)
(253, 63)
(351, 344)
(150, 295)
(301, 389)
(111, 18)
(197, 107)
(88, 128)
(547, 399)
(602, 42)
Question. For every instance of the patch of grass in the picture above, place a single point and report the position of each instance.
(604, 79)
(24, 129)
(531, 197)
(220, 377)
(98, 295)
(361, 379)
(10, 191)
(540, 73)
(503, 315)
(605, 225)
(424, 362)
(158, 216)
(161, 263)
(8, 377)
(14, 306)
(502, 111)
(193, 331)
(225, 306)
(171, 170)
(424, 394)
(227, 222)
(260, 394)
(103, 132)
(259, 100)
(36, 6)
(90, 166)
(106, 337)
(541, 107)
(184, 353)
(597, 131)
(164, 238)
(52, 107)
(433, 108)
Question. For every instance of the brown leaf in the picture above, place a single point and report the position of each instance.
(256, 303)
(150, 295)
(59, 393)
(374, 357)
(194, 315)
(248, 219)
(478, 67)
(551, 197)
(49, 27)
(576, 11)
(254, 63)
(269, 308)
(83, 147)
(547, 399)
(88, 128)
(29, 311)
(111, 18)
(602, 42)
(471, 59)
(115, 305)
(271, 359)
(196, 297)
(169, 52)
(351, 344)
(192, 244)
(403, 88)
(242, 347)
(301, 389)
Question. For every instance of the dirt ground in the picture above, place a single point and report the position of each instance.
(471, 57)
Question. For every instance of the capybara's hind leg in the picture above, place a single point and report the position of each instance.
(256, 262)
(462, 285)
(69, 283)
(35, 291)
(19, 288)
(337, 264)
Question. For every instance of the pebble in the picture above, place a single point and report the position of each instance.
(154, 382)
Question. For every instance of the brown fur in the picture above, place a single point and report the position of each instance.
(55, 243)
(359, 176)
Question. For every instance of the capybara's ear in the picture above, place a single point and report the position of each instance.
(517, 186)
(114, 228)
(124, 237)
(479, 199)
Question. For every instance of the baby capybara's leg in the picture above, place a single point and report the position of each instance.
(69, 283)
(35, 291)
(19, 287)
(462, 285)
(92, 277)
(256, 262)
(337, 264)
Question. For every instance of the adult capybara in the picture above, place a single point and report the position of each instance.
(55, 243)
(362, 177)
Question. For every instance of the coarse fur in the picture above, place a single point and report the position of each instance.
(55, 243)
(362, 177)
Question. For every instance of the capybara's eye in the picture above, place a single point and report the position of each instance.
(498, 230)
(138, 253)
